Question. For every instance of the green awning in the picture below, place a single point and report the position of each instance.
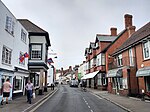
(143, 72)
(115, 73)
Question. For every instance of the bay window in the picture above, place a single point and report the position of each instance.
(36, 51)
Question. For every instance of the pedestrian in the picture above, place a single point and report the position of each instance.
(29, 88)
(52, 86)
(6, 90)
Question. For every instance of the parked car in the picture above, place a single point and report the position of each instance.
(73, 83)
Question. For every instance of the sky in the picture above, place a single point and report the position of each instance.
(73, 24)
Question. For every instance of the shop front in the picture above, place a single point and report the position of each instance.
(4, 74)
(143, 75)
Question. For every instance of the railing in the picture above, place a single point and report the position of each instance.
(125, 61)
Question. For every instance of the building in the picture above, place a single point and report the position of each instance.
(13, 45)
(136, 51)
(38, 49)
(120, 73)
(96, 71)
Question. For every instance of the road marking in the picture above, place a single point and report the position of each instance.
(89, 106)
(92, 111)
(36, 107)
(96, 96)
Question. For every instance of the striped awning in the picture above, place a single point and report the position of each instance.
(143, 72)
(115, 73)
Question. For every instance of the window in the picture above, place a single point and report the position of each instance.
(131, 57)
(10, 25)
(23, 62)
(119, 60)
(23, 35)
(36, 52)
(146, 50)
(18, 83)
(6, 55)
(103, 59)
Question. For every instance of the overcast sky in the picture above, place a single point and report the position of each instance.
(73, 24)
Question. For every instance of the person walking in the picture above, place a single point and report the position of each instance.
(29, 88)
(6, 90)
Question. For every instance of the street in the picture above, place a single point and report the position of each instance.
(69, 99)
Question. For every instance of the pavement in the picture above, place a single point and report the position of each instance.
(130, 104)
(20, 104)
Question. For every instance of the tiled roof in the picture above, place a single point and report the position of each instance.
(135, 38)
(31, 27)
(34, 29)
(117, 37)
(105, 38)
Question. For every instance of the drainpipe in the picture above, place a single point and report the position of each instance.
(129, 87)
(136, 69)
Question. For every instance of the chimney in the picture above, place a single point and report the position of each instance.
(70, 68)
(131, 30)
(128, 20)
(113, 31)
(62, 71)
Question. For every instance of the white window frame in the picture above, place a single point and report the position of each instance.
(10, 24)
(6, 55)
(20, 90)
(36, 51)
(131, 57)
(148, 49)
(23, 36)
(119, 60)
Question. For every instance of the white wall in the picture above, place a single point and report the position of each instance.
(20, 46)
(50, 75)
(5, 38)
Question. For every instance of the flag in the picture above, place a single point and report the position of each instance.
(21, 58)
(26, 55)
(50, 61)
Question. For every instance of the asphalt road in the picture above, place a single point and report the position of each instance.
(68, 99)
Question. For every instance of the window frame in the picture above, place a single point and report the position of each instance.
(148, 42)
(32, 50)
(10, 25)
(6, 55)
(23, 36)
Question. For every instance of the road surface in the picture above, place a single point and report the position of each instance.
(69, 99)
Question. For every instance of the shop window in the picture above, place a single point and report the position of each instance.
(18, 83)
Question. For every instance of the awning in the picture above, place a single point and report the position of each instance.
(90, 75)
(143, 72)
(115, 73)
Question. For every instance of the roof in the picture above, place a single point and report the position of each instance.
(34, 29)
(117, 37)
(92, 45)
(105, 38)
(135, 38)
(86, 50)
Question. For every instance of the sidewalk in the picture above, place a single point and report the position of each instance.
(129, 104)
(20, 104)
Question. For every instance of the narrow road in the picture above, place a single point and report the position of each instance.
(69, 99)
